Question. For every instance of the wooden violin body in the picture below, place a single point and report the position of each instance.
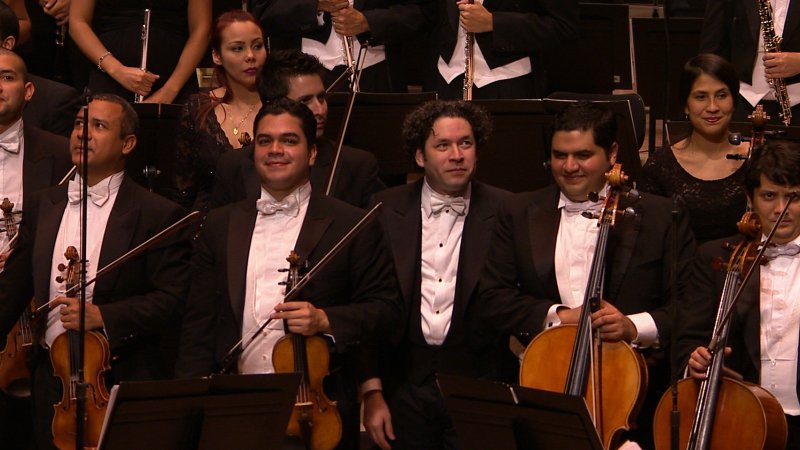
(747, 416)
(96, 357)
(623, 371)
(314, 418)
(65, 359)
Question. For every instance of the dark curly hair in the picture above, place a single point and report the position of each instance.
(779, 161)
(418, 124)
(281, 66)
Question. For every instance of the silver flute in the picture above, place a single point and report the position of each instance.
(469, 62)
(145, 42)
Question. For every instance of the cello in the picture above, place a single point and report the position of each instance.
(64, 357)
(314, 418)
(610, 376)
(722, 412)
(14, 373)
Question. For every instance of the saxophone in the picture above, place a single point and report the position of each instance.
(469, 63)
(772, 44)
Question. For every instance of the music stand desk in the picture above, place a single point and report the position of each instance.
(496, 415)
(231, 411)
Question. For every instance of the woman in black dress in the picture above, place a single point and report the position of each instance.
(221, 120)
(696, 168)
(108, 32)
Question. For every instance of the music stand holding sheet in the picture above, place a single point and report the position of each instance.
(496, 415)
(223, 411)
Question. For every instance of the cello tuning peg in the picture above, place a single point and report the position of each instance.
(633, 195)
(590, 215)
(594, 196)
(61, 268)
(59, 279)
(283, 270)
(629, 211)
(718, 264)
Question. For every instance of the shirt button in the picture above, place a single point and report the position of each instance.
(441, 245)
(264, 357)
(437, 311)
(773, 363)
(440, 280)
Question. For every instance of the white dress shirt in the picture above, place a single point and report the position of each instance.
(69, 234)
(331, 53)
(441, 247)
(12, 154)
(760, 88)
(274, 237)
(780, 329)
(482, 75)
(575, 247)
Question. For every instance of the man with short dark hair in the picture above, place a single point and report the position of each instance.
(438, 230)
(133, 305)
(297, 76)
(54, 104)
(237, 283)
(541, 256)
(764, 329)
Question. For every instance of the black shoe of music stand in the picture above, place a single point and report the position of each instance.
(496, 415)
(231, 411)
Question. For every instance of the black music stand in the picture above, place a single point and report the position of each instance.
(514, 157)
(496, 415)
(375, 126)
(228, 411)
(152, 162)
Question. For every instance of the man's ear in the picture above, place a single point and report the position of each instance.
(419, 157)
(9, 43)
(612, 153)
(128, 144)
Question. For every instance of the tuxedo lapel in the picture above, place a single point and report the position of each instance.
(404, 226)
(119, 232)
(37, 166)
(748, 312)
(240, 235)
(452, 16)
(792, 20)
(321, 167)
(314, 226)
(621, 246)
(51, 210)
(753, 18)
(475, 241)
(543, 222)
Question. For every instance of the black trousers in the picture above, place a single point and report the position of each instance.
(420, 419)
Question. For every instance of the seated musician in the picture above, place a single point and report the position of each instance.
(769, 302)
(31, 159)
(297, 76)
(450, 216)
(236, 285)
(539, 263)
(131, 305)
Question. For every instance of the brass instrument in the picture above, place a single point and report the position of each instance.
(772, 44)
(469, 62)
(145, 42)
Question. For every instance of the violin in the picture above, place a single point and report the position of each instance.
(722, 412)
(611, 376)
(14, 373)
(65, 359)
(314, 418)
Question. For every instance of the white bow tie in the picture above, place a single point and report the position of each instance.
(440, 202)
(774, 251)
(579, 208)
(98, 193)
(10, 147)
(288, 206)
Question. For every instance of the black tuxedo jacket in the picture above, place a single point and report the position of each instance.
(47, 160)
(391, 22)
(697, 311)
(521, 29)
(357, 290)
(53, 106)
(138, 300)
(471, 347)
(519, 280)
(356, 180)
(731, 29)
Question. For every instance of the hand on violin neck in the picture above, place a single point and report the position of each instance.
(612, 325)
(303, 318)
(69, 308)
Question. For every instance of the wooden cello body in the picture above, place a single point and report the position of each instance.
(66, 367)
(610, 376)
(314, 418)
(720, 412)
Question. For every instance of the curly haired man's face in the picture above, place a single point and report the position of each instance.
(449, 156)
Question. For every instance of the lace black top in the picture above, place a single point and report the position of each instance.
(714, 206)
(200, 143)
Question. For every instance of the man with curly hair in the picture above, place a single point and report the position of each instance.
(438, 230)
